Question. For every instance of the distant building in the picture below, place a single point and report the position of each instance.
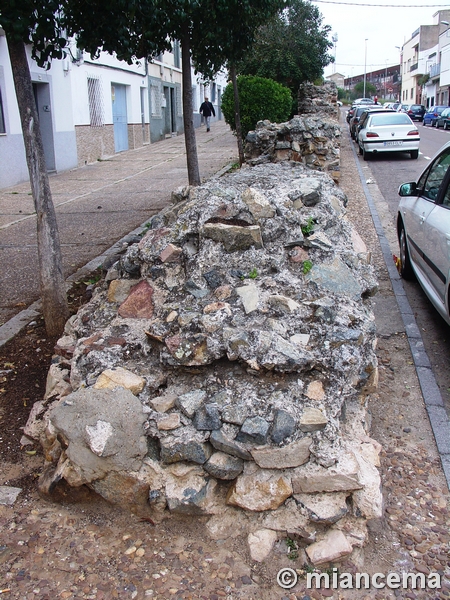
(387, 82)
(338, 79)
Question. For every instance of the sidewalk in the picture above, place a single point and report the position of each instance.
(97, 205)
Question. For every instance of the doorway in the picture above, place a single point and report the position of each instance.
(41, 93)
(119, 106)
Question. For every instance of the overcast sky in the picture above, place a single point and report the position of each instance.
(385, 23)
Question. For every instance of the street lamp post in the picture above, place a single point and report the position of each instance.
(385, 79)
(401, 73)
(365, 67)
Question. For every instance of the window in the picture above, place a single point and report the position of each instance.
(155, 99)
(412, 93)
(2, 117)
(179, 101)
(96, 112)
(432, 179)
(213, 93)
(176, 54)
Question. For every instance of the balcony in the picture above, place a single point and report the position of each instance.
(414, 67)
(435, 70)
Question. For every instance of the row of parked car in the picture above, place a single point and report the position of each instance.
(436, 116)
(377, 129)
(423, 218)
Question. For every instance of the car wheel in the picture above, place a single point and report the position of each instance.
(445, 125)
(433, 123)
(366, 155)
(406, 270)
(423, 123)
(414, 154)
(360, 150)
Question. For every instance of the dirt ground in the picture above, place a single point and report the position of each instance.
(79, 547)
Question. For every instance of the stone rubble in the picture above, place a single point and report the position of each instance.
(219, 370)
(312, 138)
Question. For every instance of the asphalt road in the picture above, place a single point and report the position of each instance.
(389, 172)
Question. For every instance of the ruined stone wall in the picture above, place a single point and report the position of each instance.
(223, 366)
(312, 137)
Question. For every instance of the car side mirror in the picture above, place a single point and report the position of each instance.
(408, 189)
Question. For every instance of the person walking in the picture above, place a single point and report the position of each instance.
(207, 109)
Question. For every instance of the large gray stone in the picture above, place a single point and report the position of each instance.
(222, 442)
(207, 418)
(190, 402)
(335, 277)
(287, 457)
(175, 449)
(234, 237)
(224, 466)
(103, 431)
(8, 494)
(254, 430)
(283, 426)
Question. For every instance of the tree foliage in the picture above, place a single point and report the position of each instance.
(259, 99)
(358, 90)
(292, 47)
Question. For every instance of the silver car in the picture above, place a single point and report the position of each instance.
(387, 132)
(423, 229)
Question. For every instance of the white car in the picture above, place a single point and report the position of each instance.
(423, 229)
(387, 132)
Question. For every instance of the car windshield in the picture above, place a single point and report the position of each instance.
(390, 119)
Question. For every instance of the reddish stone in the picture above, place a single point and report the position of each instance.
(116, 341)
(90, 341)
(173, 343)
(66, 352)
(139, 304)
(298, 255)
(170, 253)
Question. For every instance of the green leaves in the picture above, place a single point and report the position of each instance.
(291, 47)
(259, 99)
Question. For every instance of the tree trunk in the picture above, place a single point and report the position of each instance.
(237, 115)
(188, 111)
(53, 291)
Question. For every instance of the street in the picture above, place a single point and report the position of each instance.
(389, 172)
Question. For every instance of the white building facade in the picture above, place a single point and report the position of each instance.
(421, 57)
(91, 109)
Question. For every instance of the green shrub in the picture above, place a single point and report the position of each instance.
(259, 99)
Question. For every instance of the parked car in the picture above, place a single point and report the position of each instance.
(423, 229)
(350, 112)
(363, 101)
(415, 111)
(444, 119)
(432, 115)
(353, 123)
(386, 131)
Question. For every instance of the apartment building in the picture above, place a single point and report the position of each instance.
(421, 63)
